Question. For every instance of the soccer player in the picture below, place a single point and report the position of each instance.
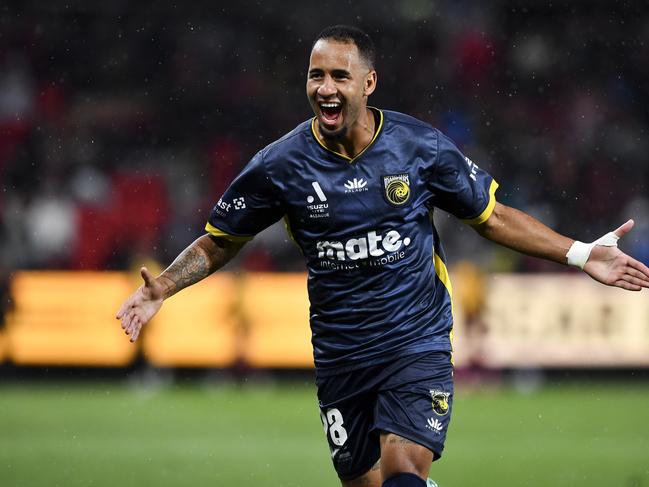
(357, 187)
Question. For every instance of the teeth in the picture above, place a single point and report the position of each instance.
(329, 105)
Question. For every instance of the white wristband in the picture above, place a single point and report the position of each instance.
(579, 252)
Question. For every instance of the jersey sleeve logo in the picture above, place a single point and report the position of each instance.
(473, 168)
(396, 189)
(239, 203)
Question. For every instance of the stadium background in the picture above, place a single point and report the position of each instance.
(121, 124)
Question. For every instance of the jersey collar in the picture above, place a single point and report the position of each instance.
(350, 159)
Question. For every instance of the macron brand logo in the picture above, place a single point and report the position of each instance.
(434, 424)
(355, 185)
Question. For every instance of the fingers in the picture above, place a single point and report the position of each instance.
(640, 278)
(124, 321)
(624, 229)
(131, 324)
(638, 267)
(138, 309)
(635, 281)
(127, 321)
(634, 273)
(628, 286)
(135, 328)
(125, 306)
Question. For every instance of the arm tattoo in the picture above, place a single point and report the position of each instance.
(189, 267)
(395, 439)
(196, 262)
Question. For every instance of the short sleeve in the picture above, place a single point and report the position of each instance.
(248, 206)
(459, 186)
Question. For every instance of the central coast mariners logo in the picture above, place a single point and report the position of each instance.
(440, 401)
(396, 189)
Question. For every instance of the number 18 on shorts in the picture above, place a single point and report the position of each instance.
(411, 397)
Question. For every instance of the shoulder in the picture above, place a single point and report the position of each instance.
(399, 126)
(402, 126)
(392, 118)
(424, 131)
(288, 143)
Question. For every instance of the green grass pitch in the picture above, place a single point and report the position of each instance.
(108, 434)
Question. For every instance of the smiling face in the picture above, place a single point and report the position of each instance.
(338, 84)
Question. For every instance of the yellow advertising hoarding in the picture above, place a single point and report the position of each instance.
(261, 319)
(67, 318)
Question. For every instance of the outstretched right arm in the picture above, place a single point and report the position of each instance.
(203, 257)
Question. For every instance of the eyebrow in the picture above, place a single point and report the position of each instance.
(335, 72)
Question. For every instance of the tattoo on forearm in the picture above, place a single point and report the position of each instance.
(189, 267)
(194, 264)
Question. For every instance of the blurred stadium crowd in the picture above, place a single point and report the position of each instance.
(121, 124)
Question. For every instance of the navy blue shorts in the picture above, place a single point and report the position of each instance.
(411, 397)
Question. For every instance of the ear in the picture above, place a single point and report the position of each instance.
(370, 83)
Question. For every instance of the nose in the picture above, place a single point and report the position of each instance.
(327, 88)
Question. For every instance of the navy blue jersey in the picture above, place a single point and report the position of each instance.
(378, 285)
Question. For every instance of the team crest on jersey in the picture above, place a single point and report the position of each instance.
(440, 401)
(396, 189)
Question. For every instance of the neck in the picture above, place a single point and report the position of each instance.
(358, 137)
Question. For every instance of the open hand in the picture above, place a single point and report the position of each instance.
(611, 266)
(141, 306)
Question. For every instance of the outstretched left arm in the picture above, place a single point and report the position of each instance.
(605, 262)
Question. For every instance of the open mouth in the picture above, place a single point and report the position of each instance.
(331, 112)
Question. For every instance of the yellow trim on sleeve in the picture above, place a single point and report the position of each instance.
(217, 232)
(486, 213)
(349, 159)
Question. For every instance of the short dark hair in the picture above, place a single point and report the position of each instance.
(350, 34)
